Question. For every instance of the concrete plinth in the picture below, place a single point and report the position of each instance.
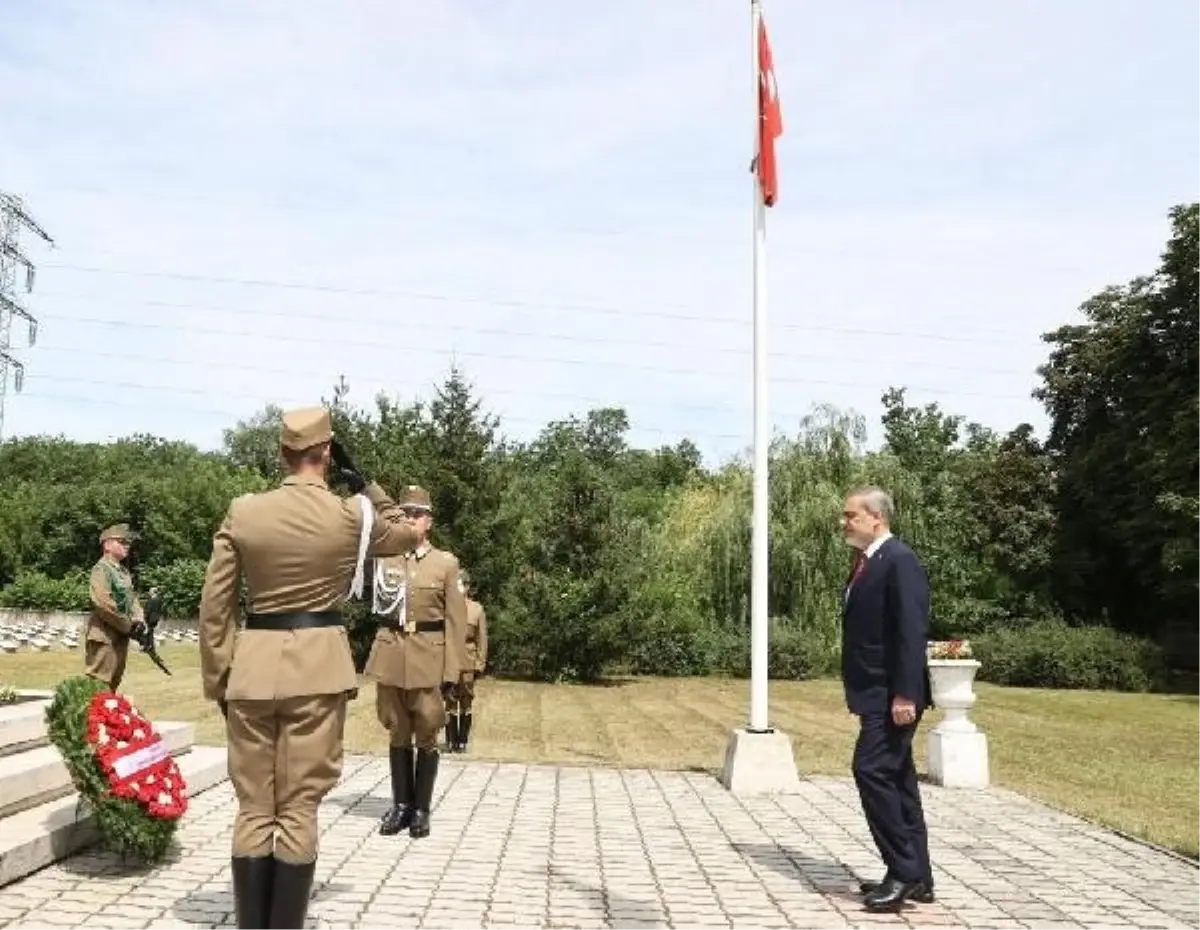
(760, 763)
(957, 758)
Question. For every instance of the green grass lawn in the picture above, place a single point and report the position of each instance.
(1127, 760)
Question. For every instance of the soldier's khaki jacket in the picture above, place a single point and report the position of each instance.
(477, 643)
(413, 660)
(296, 547)
(106, 623)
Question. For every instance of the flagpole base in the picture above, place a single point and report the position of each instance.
(760, 763)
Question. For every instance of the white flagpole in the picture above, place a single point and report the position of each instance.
(759, 550)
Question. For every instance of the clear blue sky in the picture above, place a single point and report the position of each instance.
(557, 196)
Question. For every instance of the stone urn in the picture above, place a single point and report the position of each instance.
(953, 685)
(957, 750)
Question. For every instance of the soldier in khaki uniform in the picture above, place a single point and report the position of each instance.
(116, 610)
(418, 653)
(461, 699)
(283, 681)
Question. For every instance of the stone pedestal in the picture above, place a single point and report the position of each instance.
(760, 763)
(957, 750)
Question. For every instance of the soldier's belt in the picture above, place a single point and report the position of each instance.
(421, 626)
(298, 620)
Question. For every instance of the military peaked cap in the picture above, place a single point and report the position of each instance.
(117, 531)
(416, 497)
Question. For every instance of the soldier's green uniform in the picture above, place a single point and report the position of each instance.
(116, 610)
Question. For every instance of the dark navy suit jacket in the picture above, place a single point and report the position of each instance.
(885, 625)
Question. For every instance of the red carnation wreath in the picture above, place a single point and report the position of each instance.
(134, 758)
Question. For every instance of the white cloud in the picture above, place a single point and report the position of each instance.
(955, 181)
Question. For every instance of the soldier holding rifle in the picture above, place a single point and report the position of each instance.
(284, 680)
(116, 611)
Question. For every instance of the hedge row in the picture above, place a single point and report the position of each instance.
(178, 583)
(1054, 655)
(1043, 654)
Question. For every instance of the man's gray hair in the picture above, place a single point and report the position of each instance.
(877, 501)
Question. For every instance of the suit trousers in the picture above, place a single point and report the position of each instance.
(891, 798)
(284, 757)
(410, 715)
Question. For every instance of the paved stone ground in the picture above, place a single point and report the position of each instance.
(546, 846)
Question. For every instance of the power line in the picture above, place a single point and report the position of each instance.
(840, 330)
(381, 293)
(543, 224)
(159, 390)
(225, 414)
(360, 379)
(340, 209)
(552, 360)
(560, 307)
(13, 218)
(489, 331)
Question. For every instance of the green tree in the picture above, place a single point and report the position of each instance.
(1121, 391)
(465, 483)
(561, 610)
(934, 513)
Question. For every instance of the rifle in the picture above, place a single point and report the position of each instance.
(144, 638)
(146, 641)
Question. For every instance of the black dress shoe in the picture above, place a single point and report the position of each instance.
(890, 894)
(400, 815)
(923, 894)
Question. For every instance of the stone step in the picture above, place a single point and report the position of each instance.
(23, 725)
(37, 775)
(34, 838)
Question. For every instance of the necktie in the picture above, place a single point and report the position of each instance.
(860, 566)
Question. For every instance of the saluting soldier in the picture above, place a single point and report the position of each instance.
(418, 654)
(284, 680)
(461, 699)
(116, 611)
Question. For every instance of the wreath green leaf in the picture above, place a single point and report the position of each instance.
(124, 825)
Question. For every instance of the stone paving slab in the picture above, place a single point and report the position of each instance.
(554, 846)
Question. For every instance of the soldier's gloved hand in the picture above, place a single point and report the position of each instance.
(345, 469)
(137, 631)
(449, 689)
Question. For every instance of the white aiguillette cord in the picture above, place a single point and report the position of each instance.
(386, 600)
(364, 540)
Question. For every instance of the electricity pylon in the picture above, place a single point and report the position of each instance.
(14, 217)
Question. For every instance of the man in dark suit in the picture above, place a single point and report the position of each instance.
(885, 624)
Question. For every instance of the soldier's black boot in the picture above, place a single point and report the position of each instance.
(427, 766)
(464, 732)
(252, 879)
(452, 732)
(400, 814)
(289, 895)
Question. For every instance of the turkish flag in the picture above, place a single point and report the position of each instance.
(770, 118)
